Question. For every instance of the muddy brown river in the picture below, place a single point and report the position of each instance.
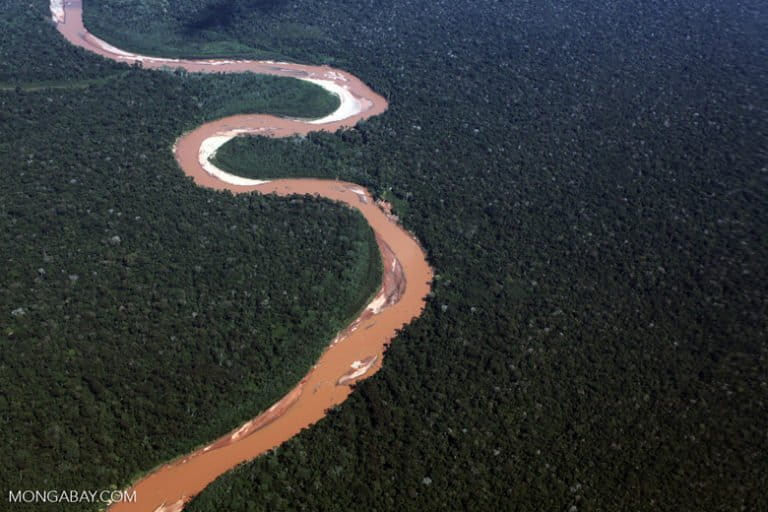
(357, 352)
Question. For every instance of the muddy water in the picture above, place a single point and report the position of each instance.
(357, 352)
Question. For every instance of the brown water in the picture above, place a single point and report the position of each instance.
(357, 352)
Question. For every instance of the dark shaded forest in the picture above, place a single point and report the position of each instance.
(189, 28)
(141, 316)
(590, 181)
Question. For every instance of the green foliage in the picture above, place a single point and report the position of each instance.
(590, 181)
(317, 154)
(31, 49)
(223, 95)
(190, 28)
(41, 85)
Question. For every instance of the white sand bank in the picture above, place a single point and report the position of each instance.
(348, 107)
(208, 150)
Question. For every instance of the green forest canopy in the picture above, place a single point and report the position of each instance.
(588, 181)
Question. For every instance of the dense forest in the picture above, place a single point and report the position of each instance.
(590, 180)
(319, 154)
(30, 50)
(186, 28)
(141, 316)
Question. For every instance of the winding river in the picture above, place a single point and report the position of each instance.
(357, 351)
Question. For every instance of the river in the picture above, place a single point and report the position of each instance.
(358, 351)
